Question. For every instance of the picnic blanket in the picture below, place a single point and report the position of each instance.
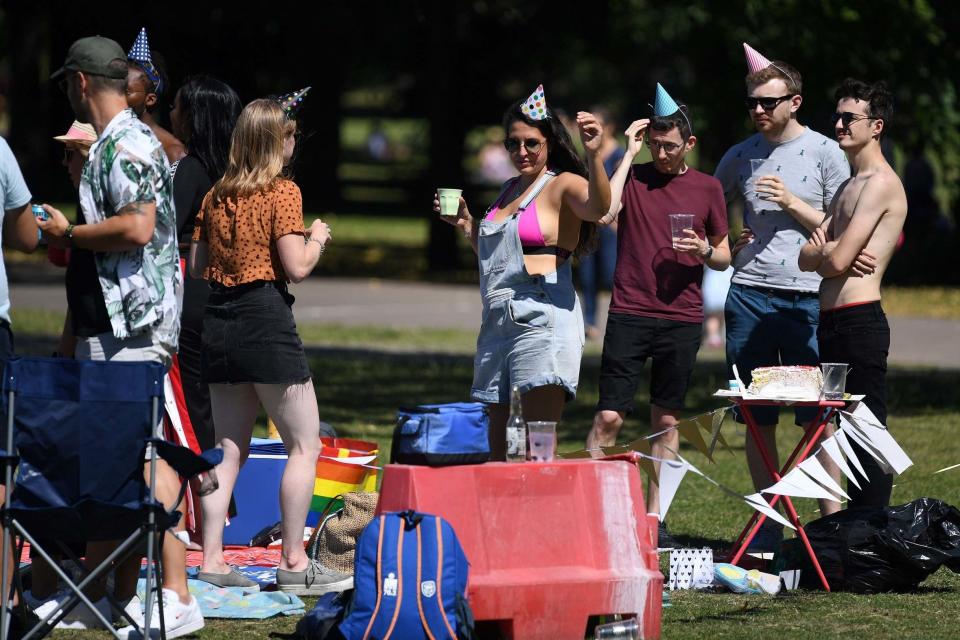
(237, 602)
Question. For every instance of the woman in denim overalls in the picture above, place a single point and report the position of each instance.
(532, 330)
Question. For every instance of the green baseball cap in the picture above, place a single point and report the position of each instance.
(93, 55)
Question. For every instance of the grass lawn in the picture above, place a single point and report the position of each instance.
(359, 392)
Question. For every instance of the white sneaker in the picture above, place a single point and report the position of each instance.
(80, 617)
(179, 619)
(44, 607)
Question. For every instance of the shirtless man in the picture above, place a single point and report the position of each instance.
(851, 250)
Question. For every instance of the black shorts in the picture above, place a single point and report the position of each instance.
(249, 336)
(628, 342)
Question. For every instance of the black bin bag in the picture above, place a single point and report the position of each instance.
(872, 550)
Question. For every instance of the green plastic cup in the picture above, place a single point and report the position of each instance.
(449, 201)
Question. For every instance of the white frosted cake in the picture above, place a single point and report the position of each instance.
(797, 383)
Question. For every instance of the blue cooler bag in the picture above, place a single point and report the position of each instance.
(442, 434)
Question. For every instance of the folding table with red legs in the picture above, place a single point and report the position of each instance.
(809, 440)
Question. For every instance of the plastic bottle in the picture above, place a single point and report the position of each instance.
(516, 430)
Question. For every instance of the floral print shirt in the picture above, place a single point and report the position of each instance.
(142, 288)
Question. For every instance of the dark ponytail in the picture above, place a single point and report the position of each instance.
(563, 158)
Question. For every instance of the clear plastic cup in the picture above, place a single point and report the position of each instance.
(834, 379)
(680, 222)
(543, 440)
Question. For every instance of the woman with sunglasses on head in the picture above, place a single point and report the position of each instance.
(249, 241)
(203, 114)
(531, 334)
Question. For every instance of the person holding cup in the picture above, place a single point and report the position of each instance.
(786, 175)
(672, 222)
(532, 332)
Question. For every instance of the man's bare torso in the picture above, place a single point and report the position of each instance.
(885, 187)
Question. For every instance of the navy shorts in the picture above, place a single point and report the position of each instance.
(768, 328)
(628, 342)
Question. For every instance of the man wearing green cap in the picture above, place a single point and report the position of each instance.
(124, 279)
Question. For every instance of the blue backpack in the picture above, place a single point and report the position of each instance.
(442, 434)
(410, 581)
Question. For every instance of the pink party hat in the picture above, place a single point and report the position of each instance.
(756, 61)
(535, 107)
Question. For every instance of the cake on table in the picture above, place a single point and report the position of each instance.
(794, 382)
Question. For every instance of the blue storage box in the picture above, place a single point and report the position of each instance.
(257, 493)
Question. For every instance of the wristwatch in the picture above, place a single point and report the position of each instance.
(709, 253)
(68, 233)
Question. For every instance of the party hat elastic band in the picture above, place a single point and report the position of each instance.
(291, 101)
(140, 53)
(535, 107)
(664, 106)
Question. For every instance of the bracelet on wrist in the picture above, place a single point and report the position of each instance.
(323, 246)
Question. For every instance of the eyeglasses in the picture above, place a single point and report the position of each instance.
(768, 104)
(668, 147)
(532, 145)
(847, 118)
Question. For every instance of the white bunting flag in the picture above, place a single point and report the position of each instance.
(756, 501)
(848, 451)
(798, 485)
(832, 448)
(813, 468)
(671, 474)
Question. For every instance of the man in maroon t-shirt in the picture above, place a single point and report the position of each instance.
(657, 308)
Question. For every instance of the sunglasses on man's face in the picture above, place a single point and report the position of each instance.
(768, 104)
(847, 118)
(513, 145)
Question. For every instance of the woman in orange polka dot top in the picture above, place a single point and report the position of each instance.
(249, 242)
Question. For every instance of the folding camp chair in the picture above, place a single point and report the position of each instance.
(76, 435)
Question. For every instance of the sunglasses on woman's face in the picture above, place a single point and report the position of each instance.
(768, 104)
(847, 118)
(513, 145)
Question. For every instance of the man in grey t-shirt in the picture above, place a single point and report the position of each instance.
(772, 309)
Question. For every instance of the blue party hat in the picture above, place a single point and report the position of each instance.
(663, 104)
(140, 54)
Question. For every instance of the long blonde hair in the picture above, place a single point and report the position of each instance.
(256, 151)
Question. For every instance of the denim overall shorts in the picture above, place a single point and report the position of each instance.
(531, 334)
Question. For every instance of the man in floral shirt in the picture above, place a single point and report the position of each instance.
(124, 281)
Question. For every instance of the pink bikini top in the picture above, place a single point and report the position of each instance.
(528, 226)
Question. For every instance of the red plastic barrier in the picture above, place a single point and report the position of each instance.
(549, 544)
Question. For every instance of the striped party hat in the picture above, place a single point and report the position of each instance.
(756, 61)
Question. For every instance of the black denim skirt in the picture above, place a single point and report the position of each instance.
(249, 335)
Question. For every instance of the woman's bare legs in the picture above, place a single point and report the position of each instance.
(234, 408)
(293, 408)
